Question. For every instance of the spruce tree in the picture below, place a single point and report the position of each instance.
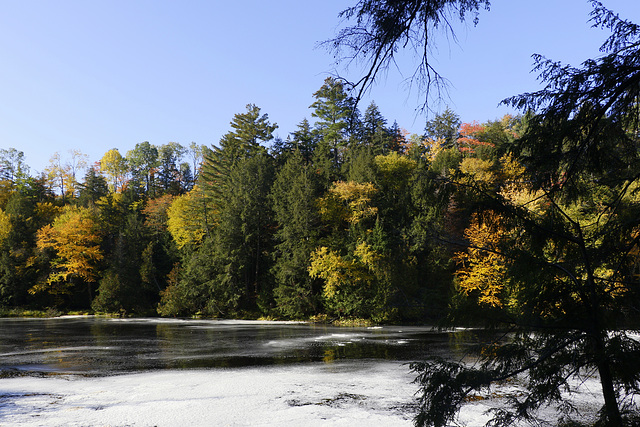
(293, 198)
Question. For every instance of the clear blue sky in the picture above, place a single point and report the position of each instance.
(101, 74)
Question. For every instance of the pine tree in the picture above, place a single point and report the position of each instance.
(335, 113)
(293, 198)
(93, 188)
(250, 130)
(374, 131)
(443, 128)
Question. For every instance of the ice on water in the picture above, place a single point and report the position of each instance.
(349, 394)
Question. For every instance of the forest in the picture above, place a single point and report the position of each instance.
(348, 217)
(344, 218)
(528, 225)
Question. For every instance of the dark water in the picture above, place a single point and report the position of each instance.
(101, 346)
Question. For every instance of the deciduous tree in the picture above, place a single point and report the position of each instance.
(115, 166)
(74, 238)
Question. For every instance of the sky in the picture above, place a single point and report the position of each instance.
(102, 74)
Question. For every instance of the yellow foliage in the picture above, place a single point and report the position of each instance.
(115, 167)
(395, 169)
(338, 272)
(47, 211)
(483, 268)
(186, 218)
(5, 225)
(479, 169)
(348, 201)
(331, 267)
(74, 238)
(434, 147)
(367, 256)
(511, 168)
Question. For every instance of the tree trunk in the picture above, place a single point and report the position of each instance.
(611, 409)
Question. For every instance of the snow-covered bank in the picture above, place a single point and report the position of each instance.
(366, 394)
(335, 394)
(340, 394)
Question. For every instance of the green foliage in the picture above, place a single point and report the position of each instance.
(243, 234)
(93, 188)
(335, 112)
(293, 198)
(249, 130)
(143, 159)
(443, 128)
(12, 166)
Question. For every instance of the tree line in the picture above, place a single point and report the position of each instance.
(334, 220)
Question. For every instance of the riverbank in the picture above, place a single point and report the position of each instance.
(52, 312)
(338, 394)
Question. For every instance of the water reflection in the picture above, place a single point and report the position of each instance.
(99, 346)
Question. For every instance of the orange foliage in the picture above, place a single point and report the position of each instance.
(468, 139)
(74, 238)
(156, 213)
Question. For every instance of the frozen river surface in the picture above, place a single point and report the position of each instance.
(101, 346)
(79, 371)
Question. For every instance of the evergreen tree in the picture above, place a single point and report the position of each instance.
(243, 234)
(336, 114)
(121, 288)
(302, 140)
(19, 226)
(250, 129)
(443, 128)
(93, 188)
(293, 198)
(374, 131)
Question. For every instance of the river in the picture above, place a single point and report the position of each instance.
(91, 371)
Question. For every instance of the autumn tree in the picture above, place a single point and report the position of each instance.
(116, 169)
(482, 267)
(189, 219)
(74, 239)
(350, 259)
